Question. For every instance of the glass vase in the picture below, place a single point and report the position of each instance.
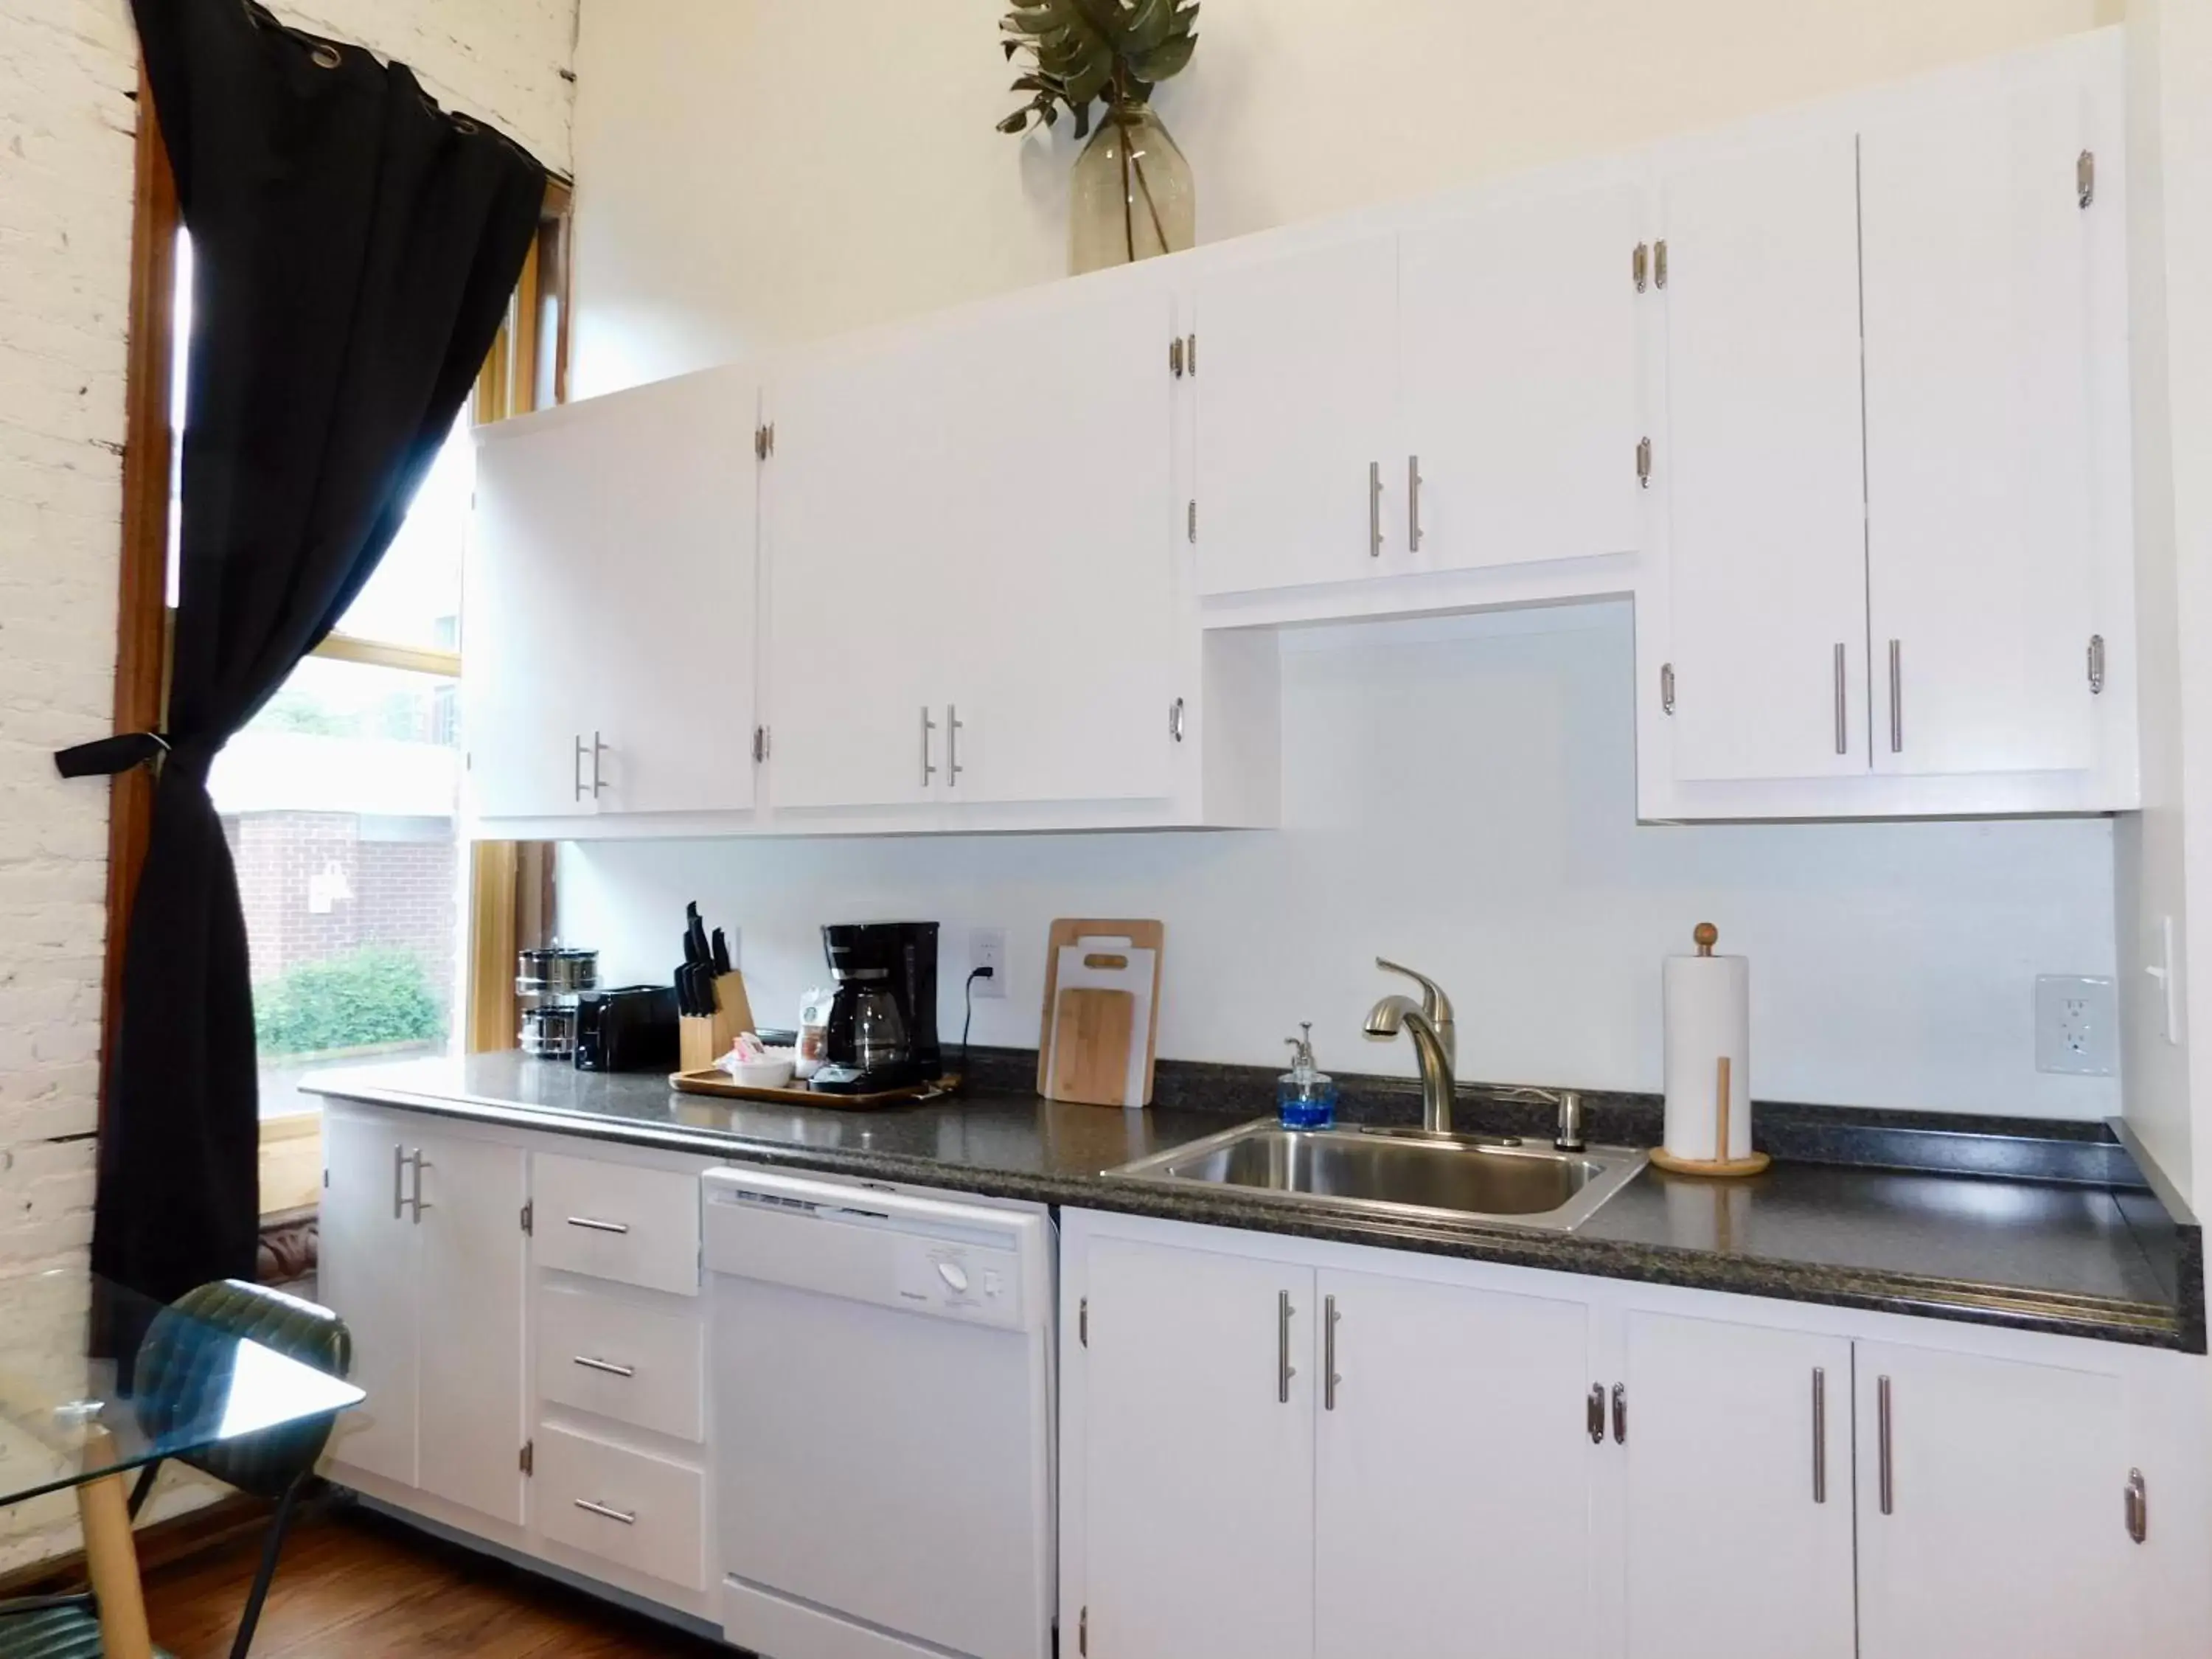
(1132, 196)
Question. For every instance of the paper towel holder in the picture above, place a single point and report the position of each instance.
(1706, 936)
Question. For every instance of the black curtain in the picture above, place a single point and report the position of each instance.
(353, 250)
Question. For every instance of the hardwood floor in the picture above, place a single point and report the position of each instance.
(355, 1586)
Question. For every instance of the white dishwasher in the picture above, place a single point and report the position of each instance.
(883, 1419)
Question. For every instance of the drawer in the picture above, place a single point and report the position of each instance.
(641, 1512)
(638, 1365)
(614, 1221)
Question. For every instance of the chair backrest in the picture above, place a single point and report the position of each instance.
(179, 1362)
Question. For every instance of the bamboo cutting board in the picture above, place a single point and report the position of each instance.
(1100, 1028)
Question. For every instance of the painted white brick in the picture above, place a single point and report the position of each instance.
(68, 69)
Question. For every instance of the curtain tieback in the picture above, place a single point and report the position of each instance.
(105, 756)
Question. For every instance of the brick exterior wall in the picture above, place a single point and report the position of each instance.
(67, 119)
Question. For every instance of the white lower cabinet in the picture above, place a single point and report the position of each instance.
(1737, 1490)
(1992, 1514)
(1273, 1447)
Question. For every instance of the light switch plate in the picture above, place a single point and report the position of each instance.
(2076, 1025)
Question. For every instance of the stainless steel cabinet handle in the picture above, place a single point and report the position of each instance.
(1883, 1460)
(1175, 719)
(1896, 697)
(928, 726)
(591, 1226)
(606, 1365)
(1620, 1414)
(2096, 665)
(1843, 726)
(1284, 1370)
(1593, 1414)
(1819, 1434)
(576, 767)
(597, 749)
(398, 1166)
(1413, 503)
(1374, 509)
(629, 1519)
(421, 1164)
(1329, 1379)
(2138, 1507)
(953, 767)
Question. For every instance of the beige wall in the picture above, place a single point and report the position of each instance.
(753, 172)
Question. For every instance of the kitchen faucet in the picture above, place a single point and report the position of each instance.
(1436, 1041)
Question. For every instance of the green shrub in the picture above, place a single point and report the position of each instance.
(378, 994)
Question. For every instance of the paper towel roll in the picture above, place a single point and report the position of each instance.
(1708, 1020)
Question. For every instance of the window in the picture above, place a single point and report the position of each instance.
(374, 929)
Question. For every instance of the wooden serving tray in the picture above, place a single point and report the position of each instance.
(713, 1080)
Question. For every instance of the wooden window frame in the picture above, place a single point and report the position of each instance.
(514, 382)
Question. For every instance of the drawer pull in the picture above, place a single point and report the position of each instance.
(627, 1519)
(606, 1365)
(591, 1226)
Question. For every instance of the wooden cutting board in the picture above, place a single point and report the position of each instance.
(1100, 1028)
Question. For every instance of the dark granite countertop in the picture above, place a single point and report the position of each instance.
(2073, 1238)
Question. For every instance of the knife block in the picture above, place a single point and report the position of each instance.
(703, 1039)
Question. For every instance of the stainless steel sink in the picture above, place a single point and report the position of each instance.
(1396, 1172)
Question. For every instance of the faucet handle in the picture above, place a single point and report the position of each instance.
(1434, 1003)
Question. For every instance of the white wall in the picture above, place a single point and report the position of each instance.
(67, 68)
(754, 172)
(1459, 795)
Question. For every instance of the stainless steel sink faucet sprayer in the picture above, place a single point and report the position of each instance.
(1436, 1041)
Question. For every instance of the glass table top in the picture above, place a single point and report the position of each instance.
(65, 1419)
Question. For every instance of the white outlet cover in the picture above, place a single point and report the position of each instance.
(2076, 1025)
(986, 948)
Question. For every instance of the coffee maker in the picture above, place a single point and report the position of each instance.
(882, 1032)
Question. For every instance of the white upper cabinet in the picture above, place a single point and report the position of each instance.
(609, 656)
(1981, 512)
(1300, 472)
(1522, 408)
(1760, 463)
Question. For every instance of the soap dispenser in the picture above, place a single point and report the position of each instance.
(1305, 1098)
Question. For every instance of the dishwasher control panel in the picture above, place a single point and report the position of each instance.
(948, 1277)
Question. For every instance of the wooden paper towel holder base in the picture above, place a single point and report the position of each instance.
(1715, 1168)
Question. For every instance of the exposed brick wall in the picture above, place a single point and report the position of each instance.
(67, 69)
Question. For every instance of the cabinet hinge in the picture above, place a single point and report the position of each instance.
(528, 1460)
(1639, 266)
(530, 1217)
(2096, 664)
(1659, 262)
(764, 440)
(2085, 177)
(1666, 687)
(1174, 357)
(1644, 463)
(1083, 1322)
(760, 743)
(1083, 1630)
(1192, 529)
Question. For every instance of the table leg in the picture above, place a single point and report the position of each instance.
(112, 1557)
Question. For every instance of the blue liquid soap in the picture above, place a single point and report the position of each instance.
(1305, 1098)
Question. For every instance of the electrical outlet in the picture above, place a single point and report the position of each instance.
(986, 948)
(2076, 1025)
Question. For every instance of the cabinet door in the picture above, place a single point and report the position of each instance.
(370, 1248)
(1518, 347)
(1738, 1529)
(1998, 1526)
(1451, 1487)
(1063, 429)
(529, 652)
(1981, 547)
(862, 547)
(1198, 1457)
(1761, 462)
(669, 683)
(472, 1279)
(1296, 399)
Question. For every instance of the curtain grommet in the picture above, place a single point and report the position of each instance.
(326, 56)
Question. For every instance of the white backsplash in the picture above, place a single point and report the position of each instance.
(1459, 795)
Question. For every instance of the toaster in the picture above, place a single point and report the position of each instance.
(626, 1027)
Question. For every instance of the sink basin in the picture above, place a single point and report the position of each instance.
(1395, 1172)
